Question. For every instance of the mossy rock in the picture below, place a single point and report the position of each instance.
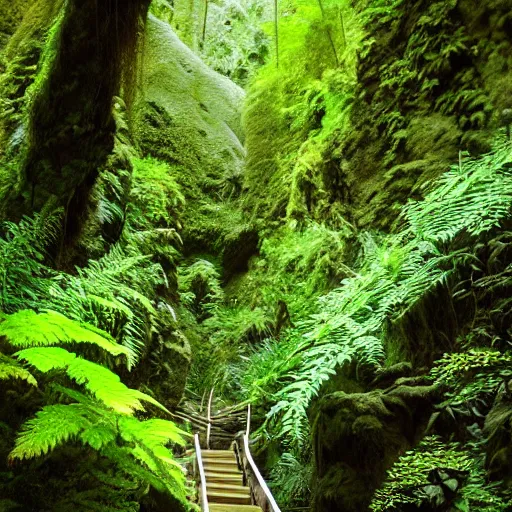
(238, 248)
(187, 113)
(356, 438)
(409, 129)
(166, 369)
(11, 14)
(189, 116)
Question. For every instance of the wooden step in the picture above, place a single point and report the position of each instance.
(234, 498)
(229, 478)
(221, 487)
(225, 507)
(216, 454)
(220, 461)
(220, 467)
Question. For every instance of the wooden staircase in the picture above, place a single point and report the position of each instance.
(225, 483)
(229, 480)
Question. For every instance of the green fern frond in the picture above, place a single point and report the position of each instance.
(153, 433)
(114, 293)
(105, 385)
(472, 198)
(26, 328)
(11, 369)
(397, 273)
(52, 426)
(144, 456)
(112, 304)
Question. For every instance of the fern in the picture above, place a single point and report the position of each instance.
(27, 328)
(290, 480)
(473, 198)
(10, 369)
(113, 294)
(137, 447)
(105, 385)
(53, 425)
(463, 205)
(22, 272)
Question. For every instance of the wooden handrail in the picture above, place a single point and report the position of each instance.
(251, 471)
(208, 432)
(199, 462)
(268, 495)
(248, 430)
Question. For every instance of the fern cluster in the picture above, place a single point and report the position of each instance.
(114, 293)
(200, 289)
(24, 276)
(303, 100)
(103, 419)
(351, 323)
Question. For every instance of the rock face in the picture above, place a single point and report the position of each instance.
(451, 69)
(190, 116)
(65, 141)
(187, 114)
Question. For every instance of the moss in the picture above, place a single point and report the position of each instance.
(189, 116)
(199, 286)
(432, 80)
(356, 437)
(65, 141)
(387, 375)
(293, 266)
(21, 65)
(497, 429)
(107, 207)
(11, 15)
(238, 246)
(423, 95)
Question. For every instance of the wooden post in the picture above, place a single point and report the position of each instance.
(209, 419)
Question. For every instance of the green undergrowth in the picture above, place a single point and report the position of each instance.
(302, 99)
(234, 43)
(109, 315)
(102, 418)
(155, 196)
(365, 320)
(294, 265)
(437, 474)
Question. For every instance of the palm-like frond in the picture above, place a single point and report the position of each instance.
(23, 276)
(139, 448)
(52, 426)
(105, 385)
(474, 197)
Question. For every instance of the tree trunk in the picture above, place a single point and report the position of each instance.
(91, 51)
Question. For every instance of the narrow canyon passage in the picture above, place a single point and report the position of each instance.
(300, 209)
